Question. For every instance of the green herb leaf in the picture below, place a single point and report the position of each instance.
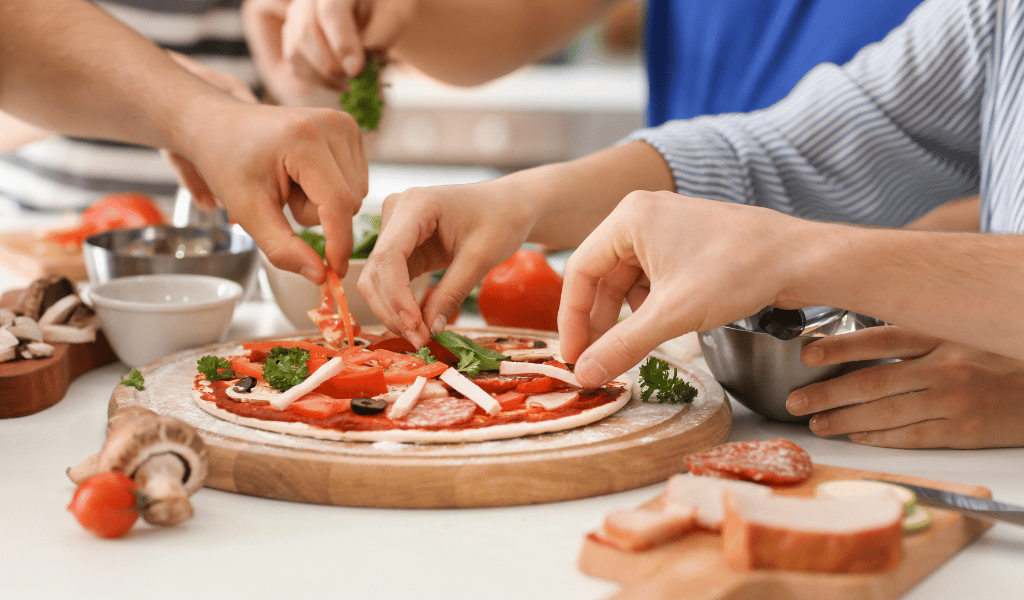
(362, 100)
(473, 357)
(425, 354)
(134, 380)
(286, 367)
(365, 245)
(215, 368)
(316, 241)
(671, 389)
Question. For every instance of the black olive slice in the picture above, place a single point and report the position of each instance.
(245, 385)
(539, 344)
(368, 406)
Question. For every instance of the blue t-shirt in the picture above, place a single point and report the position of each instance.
(719, 56)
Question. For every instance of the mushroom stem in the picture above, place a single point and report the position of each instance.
(160, 480)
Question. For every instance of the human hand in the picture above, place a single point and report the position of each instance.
(321, 42)
(941, 394)
(682, 264)
(225, 82)
(467, 229)
(258, 158)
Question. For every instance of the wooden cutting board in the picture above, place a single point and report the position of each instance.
(695, 569)
(29, 386)
(640, 445)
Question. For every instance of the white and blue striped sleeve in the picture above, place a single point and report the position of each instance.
(881, 140)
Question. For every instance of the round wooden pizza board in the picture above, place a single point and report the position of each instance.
(640, 445)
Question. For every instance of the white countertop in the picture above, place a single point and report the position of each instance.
(251, 548)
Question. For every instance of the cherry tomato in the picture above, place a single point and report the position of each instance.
(107, 504)
(523, 291)
(116, 211)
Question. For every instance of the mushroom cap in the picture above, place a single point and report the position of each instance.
(134, 437)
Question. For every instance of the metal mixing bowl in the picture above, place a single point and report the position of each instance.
(760, 370)
(226, 252)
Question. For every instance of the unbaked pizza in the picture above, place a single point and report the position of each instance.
(350, 385)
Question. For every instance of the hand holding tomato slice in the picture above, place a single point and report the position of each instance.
(107, 504)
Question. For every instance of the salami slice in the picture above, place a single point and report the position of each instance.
(440, 412)
(771, 461)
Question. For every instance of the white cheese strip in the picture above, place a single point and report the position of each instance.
(507, 367)
(467, 388)
(407, 399)
(552, 400)
(330, 369)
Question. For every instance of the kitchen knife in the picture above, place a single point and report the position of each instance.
(972, 506)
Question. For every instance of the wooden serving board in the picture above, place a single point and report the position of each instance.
(639, 445)
(695, 569)
(29, 386)
(19, 252)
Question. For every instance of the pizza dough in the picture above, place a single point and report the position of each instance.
(434, 435)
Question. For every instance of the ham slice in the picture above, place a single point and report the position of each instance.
(642, 529)
(707, 495)
(830, 535)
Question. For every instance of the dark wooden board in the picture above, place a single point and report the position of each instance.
(639, 445)
(695, 569)
(29, 386)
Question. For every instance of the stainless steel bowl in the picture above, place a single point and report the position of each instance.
(226, 252)
(760, 370)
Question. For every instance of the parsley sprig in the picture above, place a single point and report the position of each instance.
(473, 357)
(362, 100)
(286, 367)
(134, 380)
(425, 354)
(215, 368)
(671, 389)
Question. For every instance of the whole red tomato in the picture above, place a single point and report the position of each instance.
(107, 504)
(116, 211)
(523, 291)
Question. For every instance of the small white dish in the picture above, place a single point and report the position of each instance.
(295, 295)
(147, 317)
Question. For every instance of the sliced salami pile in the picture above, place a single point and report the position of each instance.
(777, 461)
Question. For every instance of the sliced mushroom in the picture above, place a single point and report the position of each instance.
(42, 293)
(8, 345)
(26, 329)
(163, 455)
(66, 334)
(60, 310)
(6, 317)
(31, 350)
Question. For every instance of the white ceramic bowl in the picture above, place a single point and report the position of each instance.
(147, 317)
(295, 294)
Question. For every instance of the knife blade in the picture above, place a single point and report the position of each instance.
(972, 506)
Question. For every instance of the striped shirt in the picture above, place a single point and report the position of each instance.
(933, 112)
(60, 173)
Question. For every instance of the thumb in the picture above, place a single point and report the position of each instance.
(622, 347)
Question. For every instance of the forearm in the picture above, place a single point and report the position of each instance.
(963, 287)
(568, 200)
(15, 133)
(56, 54)
(484, 39)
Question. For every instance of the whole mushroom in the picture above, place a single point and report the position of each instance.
(163, 455)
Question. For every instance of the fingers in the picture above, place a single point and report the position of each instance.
(306, 48)
(341, 34)
(273, 234)
(386, 22)
(622, 347)
(871, 343)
